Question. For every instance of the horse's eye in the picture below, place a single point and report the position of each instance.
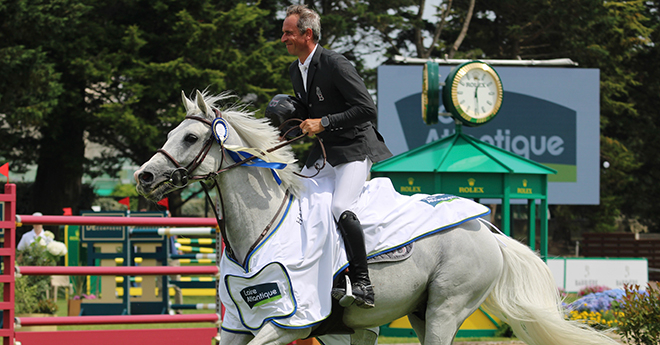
(190, 138)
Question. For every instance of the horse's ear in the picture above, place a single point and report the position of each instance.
(202, 105)
(187, 103)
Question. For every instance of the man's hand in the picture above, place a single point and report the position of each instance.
(311, 127)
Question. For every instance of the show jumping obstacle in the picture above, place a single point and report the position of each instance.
(9, 223)
(118, 245)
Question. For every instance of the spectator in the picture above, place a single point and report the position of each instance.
(36, 234)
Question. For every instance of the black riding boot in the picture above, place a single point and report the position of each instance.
(358, 272)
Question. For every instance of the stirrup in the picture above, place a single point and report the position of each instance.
(344, 296)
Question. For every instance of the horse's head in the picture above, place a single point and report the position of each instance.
(195, 151)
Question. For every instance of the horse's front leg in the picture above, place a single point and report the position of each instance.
(273, 335)
(229, 338)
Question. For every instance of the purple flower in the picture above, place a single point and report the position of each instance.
(596, 302)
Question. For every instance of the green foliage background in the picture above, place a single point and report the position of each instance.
(31, 291)
(640, 324)
(75, 72)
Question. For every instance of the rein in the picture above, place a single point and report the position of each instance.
(180, 177)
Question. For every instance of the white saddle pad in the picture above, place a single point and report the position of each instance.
(301, 255)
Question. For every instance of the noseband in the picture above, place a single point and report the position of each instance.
(180, 177)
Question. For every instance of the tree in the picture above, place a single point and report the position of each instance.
(115, 72)
(414, 28)
(610, 36)
(638, 130)
(75, 71)
(35, 35)
(30, 83)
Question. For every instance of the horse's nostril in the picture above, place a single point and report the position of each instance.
(146, 177)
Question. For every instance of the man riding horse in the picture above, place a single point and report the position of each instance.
(340, 111)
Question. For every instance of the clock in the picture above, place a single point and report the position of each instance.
(473, 93)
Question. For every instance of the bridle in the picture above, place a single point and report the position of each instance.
(181, 177)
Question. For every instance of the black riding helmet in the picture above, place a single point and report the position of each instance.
(284, 107)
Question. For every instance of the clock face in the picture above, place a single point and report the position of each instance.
(475, 93)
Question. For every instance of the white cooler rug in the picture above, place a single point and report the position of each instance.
(288, 278)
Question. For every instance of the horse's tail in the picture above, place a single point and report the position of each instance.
(526, 297)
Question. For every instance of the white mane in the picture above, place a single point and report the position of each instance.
(257, 133)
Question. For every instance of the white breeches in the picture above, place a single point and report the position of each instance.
(349, 179)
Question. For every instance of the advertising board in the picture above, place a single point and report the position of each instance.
(574, 274)
(549, 115)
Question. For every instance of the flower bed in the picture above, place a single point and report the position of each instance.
(596, 310)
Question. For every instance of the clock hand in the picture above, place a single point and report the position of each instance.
(476, 99)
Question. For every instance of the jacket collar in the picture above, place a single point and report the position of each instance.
(312, 68)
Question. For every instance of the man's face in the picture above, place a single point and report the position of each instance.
(296, 44)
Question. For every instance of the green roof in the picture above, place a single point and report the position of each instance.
(461, 153)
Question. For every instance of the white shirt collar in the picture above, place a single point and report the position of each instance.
(308, 60)
(304, 67)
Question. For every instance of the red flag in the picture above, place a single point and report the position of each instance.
(126, 201)
(5, 169)
(67, 211)
(165, 202)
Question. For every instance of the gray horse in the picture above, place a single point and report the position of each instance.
(449, 275)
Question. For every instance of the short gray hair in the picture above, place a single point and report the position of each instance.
(307, 19)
